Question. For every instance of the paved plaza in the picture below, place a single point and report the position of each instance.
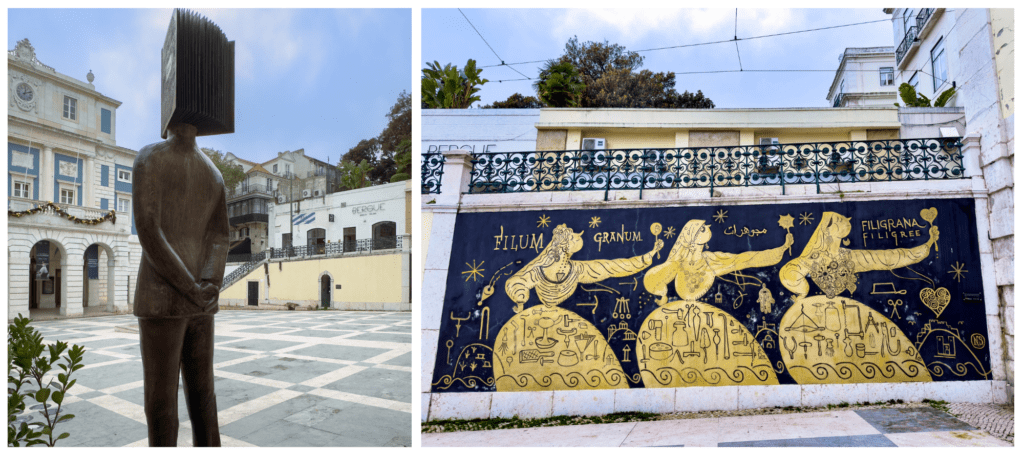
(921, 426)
(283, 378)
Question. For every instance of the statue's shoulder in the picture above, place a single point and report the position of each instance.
(148, 154)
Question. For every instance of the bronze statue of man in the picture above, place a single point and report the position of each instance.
(181, 217)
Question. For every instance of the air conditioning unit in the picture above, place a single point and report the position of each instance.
(280, 200)
(593, 143)
(770, 144)
(305, 193)
(316, 192)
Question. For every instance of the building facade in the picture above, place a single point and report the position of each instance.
(686, 260)
(352, 252)
(291, 176)
(971, 50)
(72, 244)
(865, 77)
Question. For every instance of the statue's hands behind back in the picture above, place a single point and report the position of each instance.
(205, 295)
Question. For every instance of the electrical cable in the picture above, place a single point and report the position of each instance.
(709, 42)
(489, 45)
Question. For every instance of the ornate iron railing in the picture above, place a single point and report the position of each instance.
(908, 40)
(430, 173)
(338, 248)
(923, 16)
(710, 167)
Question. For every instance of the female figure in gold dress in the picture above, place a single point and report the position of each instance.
(844, 340)
(687, 342)
(553, 348)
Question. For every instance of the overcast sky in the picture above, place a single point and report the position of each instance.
(315, 79)
(519, 35)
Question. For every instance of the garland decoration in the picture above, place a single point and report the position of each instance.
(111, 216)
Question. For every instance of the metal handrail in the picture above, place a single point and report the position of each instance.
(710, 167)
(338, 248)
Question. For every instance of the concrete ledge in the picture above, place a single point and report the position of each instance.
(471, 405)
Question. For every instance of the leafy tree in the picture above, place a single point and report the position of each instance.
(612, 79)
(403, 161)
(516, 101)
(380, 152)
(354, 176)
(560, 84)
(449, 87)
(26, 363)
(911, 98)
(232, 173)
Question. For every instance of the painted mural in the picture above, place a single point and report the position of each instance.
(746, 295)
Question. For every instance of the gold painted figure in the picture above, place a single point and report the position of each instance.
(691, 343)
(860, 344)
(554, 348)
(694, 270)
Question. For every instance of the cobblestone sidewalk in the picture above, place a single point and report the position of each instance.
(993, 418)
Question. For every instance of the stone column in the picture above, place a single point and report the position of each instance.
(71, 282)
(111, 289)
(971, 151)
(18, 263)
(455, 179)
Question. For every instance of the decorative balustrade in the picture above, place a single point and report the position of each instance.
(430, 173)
(923, 16)
(710, 167)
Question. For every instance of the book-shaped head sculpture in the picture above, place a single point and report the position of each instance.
(197, 76)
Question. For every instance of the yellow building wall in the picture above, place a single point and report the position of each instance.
(671, 138)
(428, 222)
(370, 279)
(633, 138)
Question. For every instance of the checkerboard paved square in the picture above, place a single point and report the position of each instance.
(282, 379)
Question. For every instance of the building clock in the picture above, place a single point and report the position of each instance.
(26, 95)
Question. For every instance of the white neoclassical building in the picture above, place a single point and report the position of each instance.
(71, 245)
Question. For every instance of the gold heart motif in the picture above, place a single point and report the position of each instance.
(935, 299)
(929, 214)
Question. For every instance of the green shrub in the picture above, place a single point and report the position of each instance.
(27, 366)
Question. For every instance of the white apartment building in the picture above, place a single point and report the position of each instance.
(865, 77)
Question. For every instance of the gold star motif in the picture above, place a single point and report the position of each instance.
(670, 232)
(474, 270)
(806, 218)
(958, 270)
(544, 220)
(721, 216)
(595, 221)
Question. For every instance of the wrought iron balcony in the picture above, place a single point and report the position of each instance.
(251, 217)
(710, 167)
(908, 40)
(923, 16)
(430, 173)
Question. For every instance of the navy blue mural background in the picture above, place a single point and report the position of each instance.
(474, 244)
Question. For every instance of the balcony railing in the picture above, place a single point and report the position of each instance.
(430, 173)
(923, 16)
(710, 167)
(249, 189)
(839, 100)
(908, 41)
(338, 248)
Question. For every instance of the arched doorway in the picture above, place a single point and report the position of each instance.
(384, 235)
(315, 239)
(98, 279)
(325, 291)
(47, 290)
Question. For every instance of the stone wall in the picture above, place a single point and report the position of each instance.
(987, 98)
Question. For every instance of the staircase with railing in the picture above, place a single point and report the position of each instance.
(255, 261)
